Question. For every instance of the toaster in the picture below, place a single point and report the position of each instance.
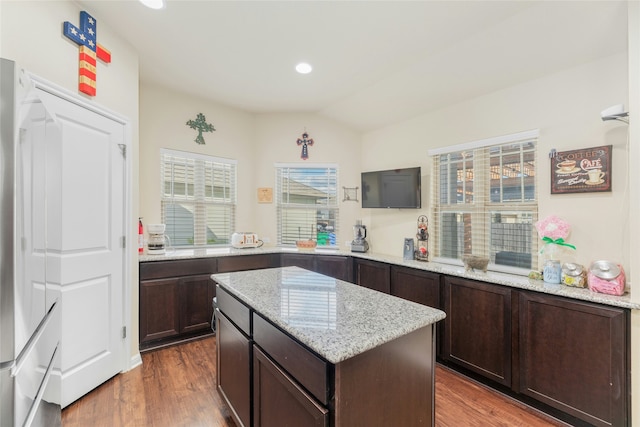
(243, 239)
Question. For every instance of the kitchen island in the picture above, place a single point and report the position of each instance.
(299, 348)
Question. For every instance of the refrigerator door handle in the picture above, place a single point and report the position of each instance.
(23, 356)
(43, 386)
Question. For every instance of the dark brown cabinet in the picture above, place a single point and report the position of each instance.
(274, 390)
(558, 353)
(234, 369)
(306, 261)
(277, 398)
(373, 275)
(159, 308)
(246, 262)
(175, 301)
(335, 266)
(391, 384)
(196, 296)
(414, 285)
(174, 308)
(477, 329)
(573, 358)
(555, 353)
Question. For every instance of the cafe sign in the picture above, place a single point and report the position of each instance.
(581, 171)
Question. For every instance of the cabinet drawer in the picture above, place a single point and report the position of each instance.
(244, 262)
(307, 368)
(236, 311)
(176, 268)
(305, 261)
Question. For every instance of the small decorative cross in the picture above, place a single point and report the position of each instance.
(201, 125)
(304, 142)
(85, 38)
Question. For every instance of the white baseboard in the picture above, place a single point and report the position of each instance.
(135, 361)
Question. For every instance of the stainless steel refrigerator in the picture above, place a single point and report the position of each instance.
(30, 313)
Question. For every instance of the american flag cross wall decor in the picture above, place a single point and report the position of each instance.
(85, 38)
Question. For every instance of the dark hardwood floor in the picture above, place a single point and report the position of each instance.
(175, 386)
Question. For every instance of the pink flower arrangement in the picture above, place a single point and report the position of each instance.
(553, 228)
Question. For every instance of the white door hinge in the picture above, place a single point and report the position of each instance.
(123, 150)
(123, 242)
(124, 332)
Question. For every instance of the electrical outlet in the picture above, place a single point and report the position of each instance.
(266, 240)
(347, 242)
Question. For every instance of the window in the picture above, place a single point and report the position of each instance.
(485, 201)
(307, 204)
(198, 198)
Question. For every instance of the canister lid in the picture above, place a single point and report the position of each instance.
(605, 269)
(572, 269)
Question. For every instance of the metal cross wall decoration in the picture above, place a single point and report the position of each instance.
(304, 142)
(201, 125)
(85, 38)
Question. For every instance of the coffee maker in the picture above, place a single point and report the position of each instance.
(359, 242)
(157, 239)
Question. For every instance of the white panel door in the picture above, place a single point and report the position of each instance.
(85, 242)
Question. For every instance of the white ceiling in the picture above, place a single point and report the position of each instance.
(375, 62)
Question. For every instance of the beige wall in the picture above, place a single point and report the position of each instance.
(566, 108)
(275, 142)
(163, 117)
(255, 141)
(46, 53)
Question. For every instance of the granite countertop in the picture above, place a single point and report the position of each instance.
(336, 319)
(512, 280)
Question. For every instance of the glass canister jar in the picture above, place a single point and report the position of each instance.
(574, 275)
(551, 271)
(606, 277)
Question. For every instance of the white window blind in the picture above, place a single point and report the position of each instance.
(307, 204)
(485, 202)
(198, 198)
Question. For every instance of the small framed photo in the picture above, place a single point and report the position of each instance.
(350, 194)
(265, 195)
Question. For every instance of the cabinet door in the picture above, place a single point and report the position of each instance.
(280, 401)
(159, 309)
(196, 308)
(234, 369)
(305, 261)
(338, 267)
(573, 357)
(373, 275)
(478, 327)
(415, 285)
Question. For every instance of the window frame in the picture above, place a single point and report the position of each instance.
(202, 195)
(331, 205)
(481, 208)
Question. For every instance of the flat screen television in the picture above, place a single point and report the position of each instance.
(394, 188)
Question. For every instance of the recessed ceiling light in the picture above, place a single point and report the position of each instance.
(153, 4)
(303, 68)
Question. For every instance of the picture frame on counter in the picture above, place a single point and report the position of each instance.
(586, 170)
